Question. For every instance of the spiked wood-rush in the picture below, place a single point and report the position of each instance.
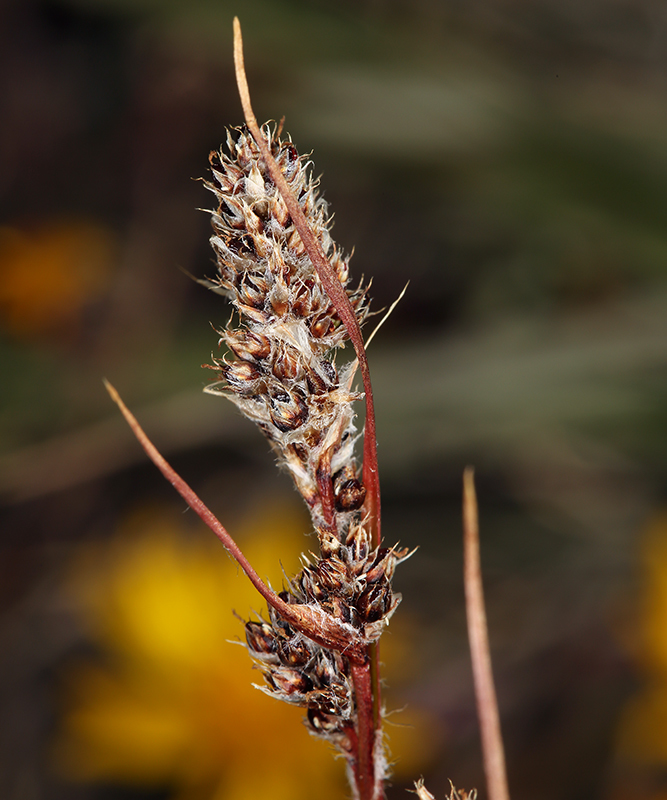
(294, 307)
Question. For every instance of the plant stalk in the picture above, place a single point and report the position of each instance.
(485, 693)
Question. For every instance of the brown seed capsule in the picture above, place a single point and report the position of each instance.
(248, 345)
(329, 371)
(279, 212)
(357, 550)
(261, 638)
(299, 451)
(287, 597)
(288, 158)
(325, 672)
(253, 314)
(325, 701)
(302, 300)
(324, 723)
(252, 291)
(293, 652)
(278, 622)
(342, 268)
(311, 587)
(288, 680)
(332, 575)
(286, 364)
(288, 410)
(374, 602)
(340, 609)
(380, 565)
(317, 302)
(329, 545)
(320, 326)
(313, 436)
(243, 377)
(279, 297)
(316, 383)
(350, 495)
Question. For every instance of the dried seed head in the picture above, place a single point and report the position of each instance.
(282, 374)
(284, 377)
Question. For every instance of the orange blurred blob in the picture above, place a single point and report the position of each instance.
(48, 275)
(643, 729)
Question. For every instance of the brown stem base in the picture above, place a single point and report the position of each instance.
(364, 768)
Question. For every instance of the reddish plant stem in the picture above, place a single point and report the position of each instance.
(374, 653)
(313, 622)
(364, 766)
(485, 692)
(331, 283)
(367, 696)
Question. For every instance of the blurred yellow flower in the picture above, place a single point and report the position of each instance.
(172, 702)
(49, 273)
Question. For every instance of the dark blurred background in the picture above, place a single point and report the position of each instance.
(509, 159)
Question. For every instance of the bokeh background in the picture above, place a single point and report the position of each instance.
(507, 158)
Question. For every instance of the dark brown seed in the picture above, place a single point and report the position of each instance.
(288, 411)
(350, 495)
(277, 621)
(329, 370)
(301, 302)
(355, 618)
(358, 550)
(316, 384)
(300, 451)
(287, 597)
(313, 436)
(341, 610)
(325, 671)
(279, 300)
(253, 314)
(342, 268)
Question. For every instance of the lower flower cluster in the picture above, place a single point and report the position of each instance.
(352, 582)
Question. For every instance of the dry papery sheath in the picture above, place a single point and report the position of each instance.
(283, 375)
